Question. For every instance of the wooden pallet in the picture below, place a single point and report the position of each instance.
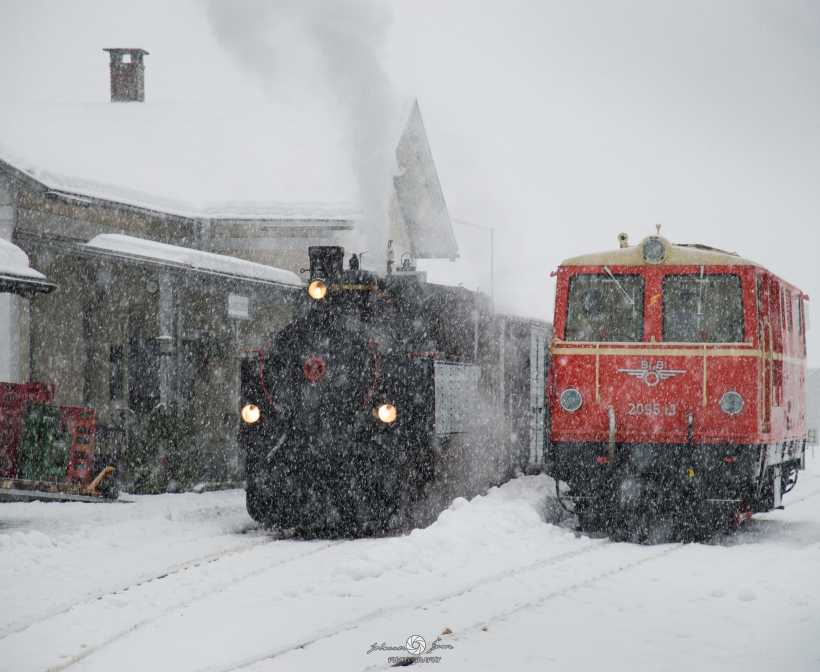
(17, 489)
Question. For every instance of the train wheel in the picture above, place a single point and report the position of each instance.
(592, 517)
(254, 505)
(646, 521)
(700, 524)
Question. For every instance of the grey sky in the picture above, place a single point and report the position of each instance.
(559, 124)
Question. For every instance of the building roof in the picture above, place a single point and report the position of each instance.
(676, 255)
(261, 162)
(420, 196)
(231, 161)
(16, 276)
(139, 249)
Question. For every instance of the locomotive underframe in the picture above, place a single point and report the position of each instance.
(363, 478)
(333, 468)
(335, 480)
(697, 487)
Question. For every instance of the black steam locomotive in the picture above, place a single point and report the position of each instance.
(385, 398)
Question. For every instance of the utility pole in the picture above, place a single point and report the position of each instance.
(491, 230)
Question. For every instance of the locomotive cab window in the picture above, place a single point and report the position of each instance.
(702, 309)
(605, 307)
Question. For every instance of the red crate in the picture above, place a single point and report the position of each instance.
(21, 393)
(14, 400)
(81, 425)
(11, 432)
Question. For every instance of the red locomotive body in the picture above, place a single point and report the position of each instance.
(677, 387)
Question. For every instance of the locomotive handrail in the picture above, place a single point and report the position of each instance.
(612, 430)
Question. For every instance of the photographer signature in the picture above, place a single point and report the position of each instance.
(415, 645)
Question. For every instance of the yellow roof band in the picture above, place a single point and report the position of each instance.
(676, 255)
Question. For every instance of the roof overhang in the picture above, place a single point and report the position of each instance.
(184, 259)
(16, 276)
(24, 286)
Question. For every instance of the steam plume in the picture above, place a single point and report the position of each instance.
(346, 36)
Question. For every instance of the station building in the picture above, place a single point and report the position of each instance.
(175, 236)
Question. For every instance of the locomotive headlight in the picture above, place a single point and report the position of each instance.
(250, 413)
(571, 400)
(654, 251)
(731, 403)
(317, 290)
(386, 413)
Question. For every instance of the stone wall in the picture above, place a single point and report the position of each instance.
(143, 343)
(283, 244)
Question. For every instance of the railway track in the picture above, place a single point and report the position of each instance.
(583, 575)
(182, 604)
(330, 632)
(561, 591)
(324, 633)
(172, 570)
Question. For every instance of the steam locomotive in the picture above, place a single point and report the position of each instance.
(385, 398)
(677, 389)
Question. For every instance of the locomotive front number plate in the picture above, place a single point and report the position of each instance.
(652, 408)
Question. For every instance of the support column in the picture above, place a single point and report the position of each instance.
(167, 310)
(13, 328)
(10, 364)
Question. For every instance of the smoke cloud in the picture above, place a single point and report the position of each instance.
(339, 43)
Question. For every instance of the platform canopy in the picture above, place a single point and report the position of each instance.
(185, 258)
(16, 276)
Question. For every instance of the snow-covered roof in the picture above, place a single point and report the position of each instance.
(15, 273)
(266, 161)
(13, 261)
(420, 196)
(235, 161)
(130, 247)
(675, 255)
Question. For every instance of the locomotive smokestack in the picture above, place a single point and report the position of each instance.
(326, 261)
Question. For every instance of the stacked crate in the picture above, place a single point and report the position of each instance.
(15, 399)
(42, 442)
(80, 425)
(43, 452)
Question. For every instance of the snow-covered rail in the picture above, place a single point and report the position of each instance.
(206, 589)
(172, 570)
(391, 612)
(489, 572)
(501, 604)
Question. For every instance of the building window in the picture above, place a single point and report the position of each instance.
(117, 377)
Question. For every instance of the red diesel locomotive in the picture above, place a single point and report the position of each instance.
(677, 389)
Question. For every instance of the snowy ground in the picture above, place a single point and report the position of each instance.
(187, 582)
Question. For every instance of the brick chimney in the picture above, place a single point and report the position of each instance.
(127, 75)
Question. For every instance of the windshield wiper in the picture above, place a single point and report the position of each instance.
(628, 298)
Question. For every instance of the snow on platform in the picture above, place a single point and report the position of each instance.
(187, 582)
